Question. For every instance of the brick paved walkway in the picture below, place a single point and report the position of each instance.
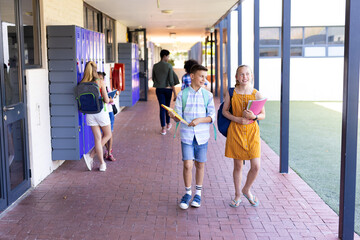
(137, 197)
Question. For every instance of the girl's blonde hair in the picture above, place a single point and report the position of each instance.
(241, 66)
(90, 72)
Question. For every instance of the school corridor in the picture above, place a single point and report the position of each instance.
(137, 197)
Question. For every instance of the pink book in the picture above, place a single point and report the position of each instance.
(256, 105)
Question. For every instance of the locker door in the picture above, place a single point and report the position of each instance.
(81, 117)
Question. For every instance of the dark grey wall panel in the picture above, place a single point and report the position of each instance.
(61, 154)
(62, 65)
(64, 132)
(56, 99)
(64, 122)
(62, 88)
(62, 77)
(60, 54)
(60, 42)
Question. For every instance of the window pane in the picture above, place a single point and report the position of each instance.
(31, 32)
(269, 36)
(269, 52)
(296, 51)
(90, 19)
(96, 27)
(336, 35)
(336, 51)
(315, 35)
(296, 35)
(314, 52)
(85, 17)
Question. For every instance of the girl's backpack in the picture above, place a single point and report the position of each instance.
(89, 98)
(222, 122)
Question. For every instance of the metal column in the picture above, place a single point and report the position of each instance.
(221, 62)
(285, 86)
(216, 65)
(256, 43)
(350, 120)
(239, 35)
(211, 61)
(228, 51)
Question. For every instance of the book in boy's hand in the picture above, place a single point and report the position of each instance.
(256, 105)
(177, 116)
(112, 93)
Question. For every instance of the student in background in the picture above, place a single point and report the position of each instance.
(195, 136)
(108, 145)
(99, 122)
(163, 77)
(243, 135)
(186, 80)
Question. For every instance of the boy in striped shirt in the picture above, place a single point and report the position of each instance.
(194, 137)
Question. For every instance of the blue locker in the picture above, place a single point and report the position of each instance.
(78, 47)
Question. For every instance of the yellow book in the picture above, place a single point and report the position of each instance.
(177, 116)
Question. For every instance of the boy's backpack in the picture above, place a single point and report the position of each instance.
(206, 103)
(89, 98)
(223, 122)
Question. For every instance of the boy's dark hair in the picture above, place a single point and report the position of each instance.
(197, 67)
(101, 73)
(164, 52)
(188, 64)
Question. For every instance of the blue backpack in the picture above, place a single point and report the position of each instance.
(206, 103)
(223, 122)
(89, 98)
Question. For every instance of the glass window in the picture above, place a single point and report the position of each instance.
(314, 52)
(269, 51)
(31, 23)
(269, 36)
(336, 35)
(109, 32)
(296, 36)
(90, 19)
(315, 35)
(336, 51)
(296, 51)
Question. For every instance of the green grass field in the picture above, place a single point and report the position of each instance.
(314, 148)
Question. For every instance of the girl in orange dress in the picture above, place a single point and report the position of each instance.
(243, 135)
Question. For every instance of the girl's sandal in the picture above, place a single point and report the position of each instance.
(254, 201)
(235, 203)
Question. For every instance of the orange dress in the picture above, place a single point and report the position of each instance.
(243, 141)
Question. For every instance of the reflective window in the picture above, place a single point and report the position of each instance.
(305, 42)
(315, 35)
(336, 35)
(31, 24)
(269, 36)
(296, 36)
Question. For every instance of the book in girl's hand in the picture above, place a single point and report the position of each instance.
(112, 93)
(177, 116)
(256, 105)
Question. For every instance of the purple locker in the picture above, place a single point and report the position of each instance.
(102, 51)
(78, 48)
(96, 43)
(91, 45)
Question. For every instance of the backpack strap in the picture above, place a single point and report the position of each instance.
(184, 98)
(206, 103)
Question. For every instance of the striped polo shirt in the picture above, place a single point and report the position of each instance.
(195, 108)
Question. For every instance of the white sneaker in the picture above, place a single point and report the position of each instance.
(102, 167)
(88, 161)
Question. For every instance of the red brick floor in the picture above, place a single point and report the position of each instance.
(137, 197)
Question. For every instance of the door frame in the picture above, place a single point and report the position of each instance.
(9, 196)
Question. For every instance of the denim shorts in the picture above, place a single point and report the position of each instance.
(111, 115)
(194, 151)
